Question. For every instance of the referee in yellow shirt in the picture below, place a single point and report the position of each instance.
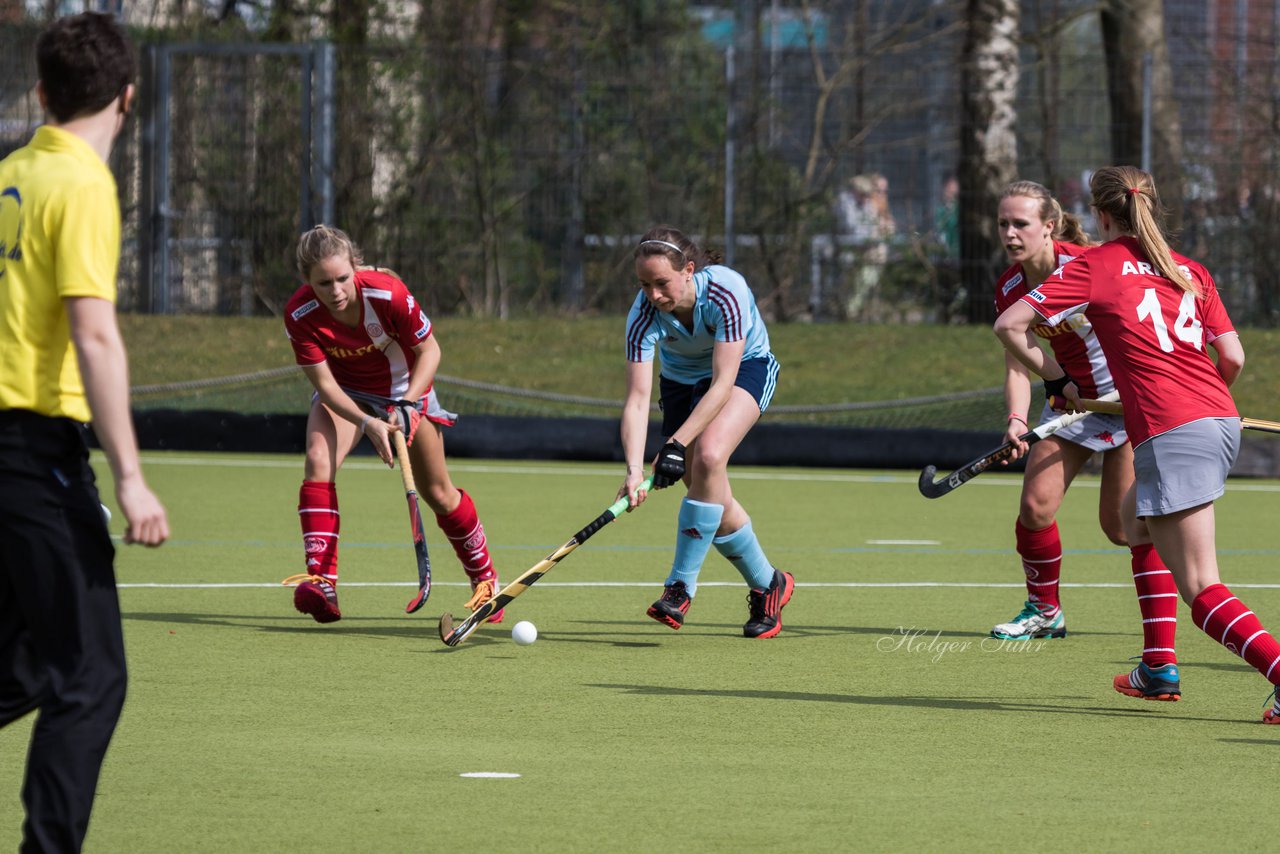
(62, 364)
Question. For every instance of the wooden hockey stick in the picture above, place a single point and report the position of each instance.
(1115, 408)
(415, 522)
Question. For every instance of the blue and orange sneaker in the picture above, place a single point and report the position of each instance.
(765, 606)
(1150, 683)
(671, 608)
(315, 595)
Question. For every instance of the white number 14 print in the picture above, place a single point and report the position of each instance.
(1186, 327)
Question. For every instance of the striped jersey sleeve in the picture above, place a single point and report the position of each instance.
(730, 302)
(642, 330)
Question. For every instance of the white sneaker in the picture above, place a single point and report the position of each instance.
(1037, 620)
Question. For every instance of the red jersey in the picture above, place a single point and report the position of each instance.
(1153, 331)
(375, 356)
(1071, 337)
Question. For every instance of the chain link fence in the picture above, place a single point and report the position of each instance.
(514, 182)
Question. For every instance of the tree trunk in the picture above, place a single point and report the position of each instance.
(988, 143)
(1131, 31)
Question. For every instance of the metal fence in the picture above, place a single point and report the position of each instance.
(504, 183)
(234, 161)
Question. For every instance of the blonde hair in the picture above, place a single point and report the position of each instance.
(1066, 226)
(321, 242)
(1128, 195)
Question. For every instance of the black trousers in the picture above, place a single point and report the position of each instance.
(61, 641)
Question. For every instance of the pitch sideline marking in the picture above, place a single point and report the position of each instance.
(975, 584)
(496, 775)
(904, 542)
(361, 465)
(816, 477)
(923, 549)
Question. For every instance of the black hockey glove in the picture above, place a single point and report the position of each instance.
(669, 467)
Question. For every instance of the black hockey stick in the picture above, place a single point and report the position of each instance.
(930, 488)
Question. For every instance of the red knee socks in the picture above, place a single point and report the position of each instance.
(1041, 552)
(1225, 618)
(465, 532)
(318, 513)
(1158, 602)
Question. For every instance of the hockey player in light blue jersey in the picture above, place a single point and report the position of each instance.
(717, 376)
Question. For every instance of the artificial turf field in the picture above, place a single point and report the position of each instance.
(879, 720)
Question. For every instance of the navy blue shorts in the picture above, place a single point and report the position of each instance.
(757, 377)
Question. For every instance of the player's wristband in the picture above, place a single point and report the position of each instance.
(1055, 388)
(1013, 416)
(365, 422)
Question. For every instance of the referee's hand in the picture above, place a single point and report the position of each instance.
(146, 522)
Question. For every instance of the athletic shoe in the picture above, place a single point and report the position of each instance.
(765, 606)
(1150, 683)
(671, 608)
(317, 596)
(1036, 620)
(482, 590)
(1272, 715)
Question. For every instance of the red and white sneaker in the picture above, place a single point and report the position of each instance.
(482, 590)
(315, 595)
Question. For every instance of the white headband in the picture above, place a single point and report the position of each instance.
(666, 244)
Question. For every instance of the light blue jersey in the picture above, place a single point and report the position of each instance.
(724, 310)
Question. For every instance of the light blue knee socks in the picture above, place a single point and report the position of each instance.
(696, 527)
(742, 549)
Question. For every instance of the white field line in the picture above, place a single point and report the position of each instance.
(493, 775)
(904, 542)
(345, 584)
(540, 471)
(815, 476)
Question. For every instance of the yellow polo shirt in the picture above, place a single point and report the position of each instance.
(59, 237)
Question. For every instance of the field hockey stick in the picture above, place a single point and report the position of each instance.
(415, 522)
(1116, 409)
(1106, 405)
(453, 635)
(930, 488)
(1259, 424)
